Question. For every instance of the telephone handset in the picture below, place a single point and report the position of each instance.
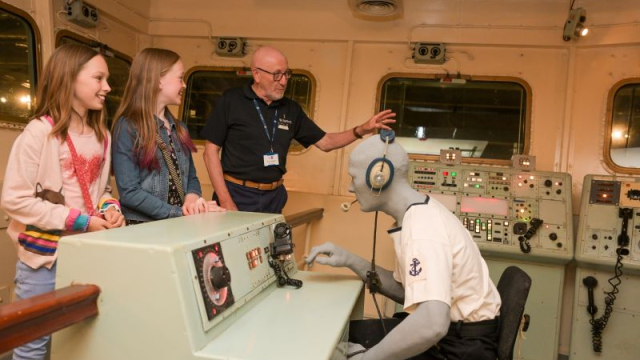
(525, 247)
(623, 238)
(590, 282)
(281, 250)
(598, 325)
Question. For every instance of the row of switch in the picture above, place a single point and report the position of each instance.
(253, 256)
(477, 226)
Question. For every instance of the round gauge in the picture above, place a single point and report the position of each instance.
(217, 295)
(214, 279)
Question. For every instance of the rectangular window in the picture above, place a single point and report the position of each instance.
(119, 66)
(484, 118)
(18, 70)
(624, 126)
(206, 85)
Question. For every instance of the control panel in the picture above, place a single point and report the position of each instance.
(205, 286)
(607, 287)
(610, 222)
(221, 284)
(526, 214)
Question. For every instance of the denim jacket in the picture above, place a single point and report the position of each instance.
(144, 193)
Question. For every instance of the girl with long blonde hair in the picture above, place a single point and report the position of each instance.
(152, 160)
(57, 176)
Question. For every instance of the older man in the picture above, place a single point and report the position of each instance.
(440, 276)
(253, 126)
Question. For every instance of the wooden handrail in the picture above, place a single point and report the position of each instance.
(29, 319)
(304, 217)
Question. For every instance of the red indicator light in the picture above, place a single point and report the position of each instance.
(445, 173)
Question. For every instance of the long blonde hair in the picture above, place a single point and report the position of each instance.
(139, 102)
(57, 86)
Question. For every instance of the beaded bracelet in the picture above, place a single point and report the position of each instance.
(104, 210)
(86, 226)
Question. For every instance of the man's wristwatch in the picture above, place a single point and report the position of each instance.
(355, 133)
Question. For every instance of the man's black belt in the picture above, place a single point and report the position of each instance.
(471, 329)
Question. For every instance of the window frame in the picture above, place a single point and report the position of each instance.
(608, 128)
(293, 149)
(87, 41)
(433, 76)
(37, 39)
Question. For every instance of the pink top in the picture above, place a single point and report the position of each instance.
(36, 158)
(90, 154)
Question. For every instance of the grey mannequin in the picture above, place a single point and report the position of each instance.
(430, 320)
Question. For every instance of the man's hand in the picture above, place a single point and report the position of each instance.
(335, 255)
(114, 217)
(229, 204)
(378, 121)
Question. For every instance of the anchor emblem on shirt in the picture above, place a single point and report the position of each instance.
(415, 270)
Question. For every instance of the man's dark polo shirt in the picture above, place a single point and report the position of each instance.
(235, 126)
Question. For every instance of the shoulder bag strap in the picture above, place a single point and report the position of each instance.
(175, 175)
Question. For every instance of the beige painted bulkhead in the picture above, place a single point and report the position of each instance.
(570, 81)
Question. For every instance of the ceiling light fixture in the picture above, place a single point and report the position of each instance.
(574, 28)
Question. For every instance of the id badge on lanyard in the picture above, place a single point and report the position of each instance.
(270, 158)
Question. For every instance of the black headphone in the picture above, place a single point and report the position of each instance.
(380, 171)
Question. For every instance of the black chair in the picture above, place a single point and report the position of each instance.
(514, 288)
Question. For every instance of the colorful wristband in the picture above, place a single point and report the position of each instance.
(107, 203)
(81, 223)
(71, 219)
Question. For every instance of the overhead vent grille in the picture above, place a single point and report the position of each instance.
(377, 10)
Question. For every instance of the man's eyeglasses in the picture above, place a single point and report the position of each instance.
(278, 75)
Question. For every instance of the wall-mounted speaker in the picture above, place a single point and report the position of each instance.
(425, 53)
(230, 46)
(82, 14)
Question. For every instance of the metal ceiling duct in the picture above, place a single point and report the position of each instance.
(377, 10)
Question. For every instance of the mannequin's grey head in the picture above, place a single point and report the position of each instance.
(359, 162)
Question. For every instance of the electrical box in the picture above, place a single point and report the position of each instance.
(230, 47)
(81, 13)
(424, 53)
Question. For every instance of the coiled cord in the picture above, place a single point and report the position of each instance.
(598, 325)
(525, 247)
(282, 276)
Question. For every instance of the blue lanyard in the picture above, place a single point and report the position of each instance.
(264, 124)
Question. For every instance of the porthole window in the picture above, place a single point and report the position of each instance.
(622, 146)
(18, 72)
(485, 118)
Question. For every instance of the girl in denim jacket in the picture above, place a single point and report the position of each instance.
(57, 176)
(151, 151)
